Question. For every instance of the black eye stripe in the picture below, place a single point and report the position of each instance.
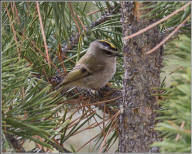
(107, 52)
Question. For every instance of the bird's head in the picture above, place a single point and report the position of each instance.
(104, 48)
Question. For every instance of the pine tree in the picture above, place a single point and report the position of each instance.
(42, 41)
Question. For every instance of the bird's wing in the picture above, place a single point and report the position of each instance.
(92, 63)
(84, 67)
(77, 73)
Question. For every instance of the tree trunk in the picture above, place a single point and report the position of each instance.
(141, 80)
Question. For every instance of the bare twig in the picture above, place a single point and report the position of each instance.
(179, 136)
(104, 133)
(43, 33)
(74, 39)
(87, 142)
(104, 141)
(42, 54)
(94, 117)
(84, 28)
(105, 101)
(73, 15)
(107, 95)
(156, 23)
(14, 32)
(98, 124)
(113, 119)
(168, 37)
(95, 124)
(102, 144)
(181, 67)
(61, 60)
(76, 121)
(176, 127)
(93, 12)
(16, 11)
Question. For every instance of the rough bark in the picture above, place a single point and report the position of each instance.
(141, 78)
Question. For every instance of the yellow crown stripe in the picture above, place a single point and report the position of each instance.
(108, 43)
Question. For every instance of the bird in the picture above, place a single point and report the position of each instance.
(94, 69)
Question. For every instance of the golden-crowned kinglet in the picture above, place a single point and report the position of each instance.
(94, 69)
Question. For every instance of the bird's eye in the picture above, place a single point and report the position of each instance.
(83, 70)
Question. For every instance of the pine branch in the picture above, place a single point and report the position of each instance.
(106, 99)
(74, 39)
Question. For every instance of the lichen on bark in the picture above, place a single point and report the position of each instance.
(141, 81)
